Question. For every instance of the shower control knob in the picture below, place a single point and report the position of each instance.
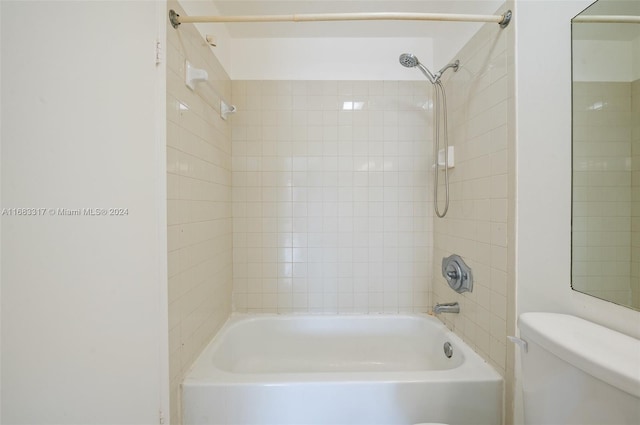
(457, 274)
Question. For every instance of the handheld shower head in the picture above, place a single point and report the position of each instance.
(408, 60)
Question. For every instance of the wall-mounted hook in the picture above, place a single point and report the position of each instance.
(193, 75)
(211, 40)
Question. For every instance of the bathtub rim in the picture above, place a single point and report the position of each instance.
(473, 368)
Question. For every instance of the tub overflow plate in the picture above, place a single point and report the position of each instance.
(448, 349)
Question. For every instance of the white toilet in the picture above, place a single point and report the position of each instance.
(577, 372)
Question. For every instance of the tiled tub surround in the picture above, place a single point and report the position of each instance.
(331, 204)
(478, 224)
(198, 204)
(602, 190)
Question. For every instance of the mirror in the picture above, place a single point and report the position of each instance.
(606, 151)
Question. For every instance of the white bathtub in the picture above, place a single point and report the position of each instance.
(269, 369)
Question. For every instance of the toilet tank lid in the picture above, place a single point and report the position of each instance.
(601, 352)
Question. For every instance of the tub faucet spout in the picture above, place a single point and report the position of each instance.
(447, 308)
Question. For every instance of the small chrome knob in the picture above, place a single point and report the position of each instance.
(453, 274)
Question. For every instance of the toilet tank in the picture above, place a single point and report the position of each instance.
(578, 372)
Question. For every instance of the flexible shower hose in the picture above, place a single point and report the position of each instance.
(440, 103)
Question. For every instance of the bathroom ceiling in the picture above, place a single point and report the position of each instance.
(353, 29)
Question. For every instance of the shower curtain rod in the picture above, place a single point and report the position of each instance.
(503, 19)
(607, 19)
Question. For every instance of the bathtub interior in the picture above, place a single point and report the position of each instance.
(330, 344)
(356, 370)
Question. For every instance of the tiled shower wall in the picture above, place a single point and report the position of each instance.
(602, 188)
(198, 204)
(479, 225)
(331, 209)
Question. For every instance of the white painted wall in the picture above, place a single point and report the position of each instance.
(543, 104)
(327, 58)
(293, 56)
(83, 298)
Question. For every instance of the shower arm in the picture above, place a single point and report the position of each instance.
(431, 77)
(453, 65)
(434, 78)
